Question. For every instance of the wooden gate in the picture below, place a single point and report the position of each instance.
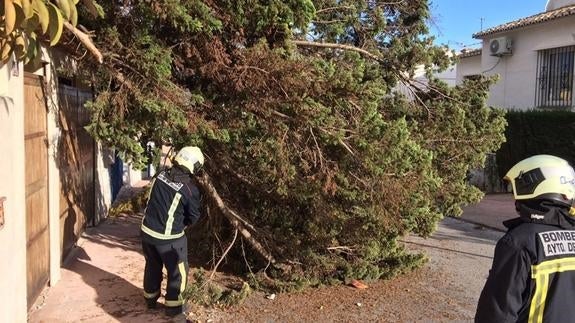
(36, 150)
(76, 163)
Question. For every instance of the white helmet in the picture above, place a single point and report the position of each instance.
(191, 158)
(543, 177)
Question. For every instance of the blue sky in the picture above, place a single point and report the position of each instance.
(454, 21)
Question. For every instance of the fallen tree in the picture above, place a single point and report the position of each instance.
(237, 221)
(321, 147)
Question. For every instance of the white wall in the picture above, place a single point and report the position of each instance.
(516, 86)
(12, 186)
(104, 160)
(448, 76)
(468, 66)
(13, 305)
(131, 176)
(555, 4)
(53, 135)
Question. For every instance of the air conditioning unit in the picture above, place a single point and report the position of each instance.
(500, 46)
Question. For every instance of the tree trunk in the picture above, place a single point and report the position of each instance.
(234, 218)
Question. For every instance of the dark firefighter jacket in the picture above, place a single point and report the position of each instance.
(532, 278)
(173, 204)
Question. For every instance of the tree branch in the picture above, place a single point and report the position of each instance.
(86, 41)
(327, 22)
(305, 43)
(333, 8)
(225, 253)
(234, 218)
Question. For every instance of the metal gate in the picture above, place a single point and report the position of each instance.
(36, 152)
(555, 75)
(76, 162)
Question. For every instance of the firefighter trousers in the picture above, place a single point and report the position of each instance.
(173, 256)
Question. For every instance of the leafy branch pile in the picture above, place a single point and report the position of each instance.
(321, 146)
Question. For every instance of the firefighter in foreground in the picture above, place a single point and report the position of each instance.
(174, 203)
(532, 278)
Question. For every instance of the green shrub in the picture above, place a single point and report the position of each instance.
(536, 132)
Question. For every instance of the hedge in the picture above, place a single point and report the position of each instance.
(536, 132)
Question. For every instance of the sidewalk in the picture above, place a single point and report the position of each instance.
(101, 281)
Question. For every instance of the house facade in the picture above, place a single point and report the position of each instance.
(533, 58)
(55, 178)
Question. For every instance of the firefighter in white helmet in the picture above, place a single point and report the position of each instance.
(532, 278)
(174, 203)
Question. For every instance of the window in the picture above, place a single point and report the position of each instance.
(555, 77)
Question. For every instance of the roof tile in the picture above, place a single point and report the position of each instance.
(470, 53)
(531, 20)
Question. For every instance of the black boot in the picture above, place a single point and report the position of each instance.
(151, 303)
(174, 310)
(176, 314)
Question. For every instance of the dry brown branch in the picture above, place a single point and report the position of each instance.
(234, 218)
(434, 89)
(120, 62)
(346, 146)
(355, 105)
(327, 22)
(318, 149)
(305, 43)
(281, 87)
(360, 180)
(279, 114)
(214, 232)
(258, 187)
(409, 87)
(246, 260)
(353, 132)
(86, 41)
(120, 77)
(248, 67)
(342, 249)
(392, 2)
(224, 255)
(333, 8)
(89, 4)
(466, 141)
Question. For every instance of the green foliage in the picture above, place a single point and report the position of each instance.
(460, 132)
(317, 148)
(535, 132)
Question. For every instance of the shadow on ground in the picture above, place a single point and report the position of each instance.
(115, 295)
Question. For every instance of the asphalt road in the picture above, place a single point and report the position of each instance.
(463, 252)
(491, 211)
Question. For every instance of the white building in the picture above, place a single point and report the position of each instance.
(55, 178)
(533, 57)
(448, 76)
